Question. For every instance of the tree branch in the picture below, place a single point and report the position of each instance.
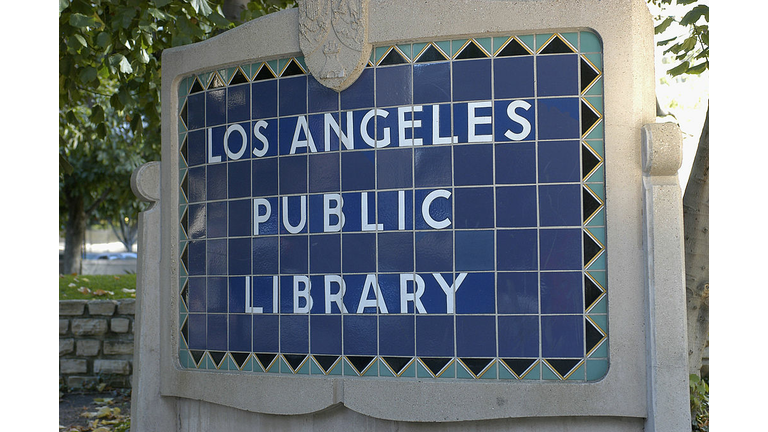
(98, 202)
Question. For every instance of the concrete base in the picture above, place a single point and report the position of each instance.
(197, 416)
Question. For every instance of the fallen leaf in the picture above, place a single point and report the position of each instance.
(86, 279)
(84, 290)
(128, 290)
(72, 284)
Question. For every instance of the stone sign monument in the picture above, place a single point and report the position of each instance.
(425, 212)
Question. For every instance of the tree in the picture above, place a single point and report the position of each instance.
(691, 52)
(109, 97)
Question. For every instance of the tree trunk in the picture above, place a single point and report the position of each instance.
(696, 221)
(74, 233)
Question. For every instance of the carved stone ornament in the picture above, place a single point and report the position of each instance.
(333, 36)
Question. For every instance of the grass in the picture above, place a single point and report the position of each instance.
(97, 287)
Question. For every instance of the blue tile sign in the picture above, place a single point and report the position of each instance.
(443, 217)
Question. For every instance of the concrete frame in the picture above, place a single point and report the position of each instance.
(646, 378)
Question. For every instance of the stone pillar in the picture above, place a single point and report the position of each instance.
(667, 361)
(149, 410)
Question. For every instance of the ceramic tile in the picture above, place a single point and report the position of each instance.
(441, 218)
(590, 42)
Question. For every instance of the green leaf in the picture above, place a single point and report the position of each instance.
(64, 165)
(698, 69)
(71, 117)
(97, 114)
(679, 69)
(81, 21)
(157, 13)
(63, 4)
(695, 14)
(218, 20)
(664, 25)
(125, 65)
(143, 56)
(88, 74)
(666, 41)
(103, 40)
(689, 43)
(125, 16)
(101, 130)
(115, 102)
(80, 41)
(161, 3)
(73, 44)
(202, 7)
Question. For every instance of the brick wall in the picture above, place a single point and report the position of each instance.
(96, 343)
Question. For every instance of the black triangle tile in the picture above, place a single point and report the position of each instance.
(590, 204)
(185, 294)
(185, 220)
(588, 74)
(217, 357)
(360, 363)
(563, 366)
(556, 46)
(264, 73)
(185, 258)
(238, 78)
(294, 360)
(471, 51)
(265, 359)
(592, 292)
(476, 365)
(593, 335)
(326, 362)
(519, 366)
(434, 364)
(184, 150)
(183, 113)
(397, 364)
(185, 331)
(185, 186)
(513, 48)
(591, 248)
(240, 358)
(393, 57)
(197, 356)
(196, 86)
(589, 161)
(431, 54)
(589, 118)
(216, 82)
(292, 69)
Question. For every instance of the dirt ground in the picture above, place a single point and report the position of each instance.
(72, 406)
